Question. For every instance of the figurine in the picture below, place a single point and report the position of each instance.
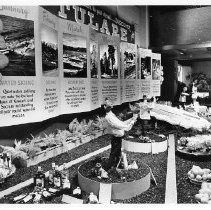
(77, 192)
(133, 165)
(92, 199)
(104, 174)
(97, 170)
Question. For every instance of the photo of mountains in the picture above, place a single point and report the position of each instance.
(49, 42)
(17, 47)
(74, 56)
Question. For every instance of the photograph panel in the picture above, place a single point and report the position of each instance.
(108, 61)
(17, 48)
(49, 42)
(129, 65)
(146, 68)
(74, 56)
(155, 69)
(94, 59)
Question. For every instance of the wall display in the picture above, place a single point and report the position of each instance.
(19, 87)
(50, 65)
(144, 72)
(129, 69)
(156, 74)
(109, 67)
(50, 96)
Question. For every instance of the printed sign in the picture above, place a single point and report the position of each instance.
(156, 74)
(96, 19)
(19, 86)
(50, 96)
(129, 69)
(109, 68)
(144, 72)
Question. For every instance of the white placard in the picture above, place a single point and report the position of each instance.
(129, 70)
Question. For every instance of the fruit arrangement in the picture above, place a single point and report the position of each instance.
(198, 175)
(194, 144)
(204, 195)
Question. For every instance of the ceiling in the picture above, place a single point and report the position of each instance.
(198, 52)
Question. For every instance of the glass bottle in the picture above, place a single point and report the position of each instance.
(51, 173)
(9, 160)
(57, 178)
(65, 174)
(39, 178)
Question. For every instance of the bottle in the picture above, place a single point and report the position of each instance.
(5, 159)
(57, 178)
(39, 179)
(51, 174)
(65, 174)
(9, 164)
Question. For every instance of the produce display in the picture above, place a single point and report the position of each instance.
(204, 195)
(133, 171)
(46, 188)
(179, 117)
(135, 136)
(175, 116)
(199, 175)
(76, 131)
(196, 145)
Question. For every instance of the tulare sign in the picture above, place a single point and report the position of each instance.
(97, 19)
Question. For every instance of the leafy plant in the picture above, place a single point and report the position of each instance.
(202, 81)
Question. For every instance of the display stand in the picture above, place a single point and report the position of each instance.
(123, 190)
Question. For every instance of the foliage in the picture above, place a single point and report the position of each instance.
(202, 81)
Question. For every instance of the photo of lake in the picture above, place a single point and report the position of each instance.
(74, 56)
(17, 47)
(49, 42)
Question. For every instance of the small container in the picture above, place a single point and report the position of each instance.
(39, 178)
(57, 178)
(51, 174)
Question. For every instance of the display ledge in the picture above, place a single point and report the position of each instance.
(70, 144)
(23, 174)
(155, 194)
(152, 147)
(185, 189)
(119, 190)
